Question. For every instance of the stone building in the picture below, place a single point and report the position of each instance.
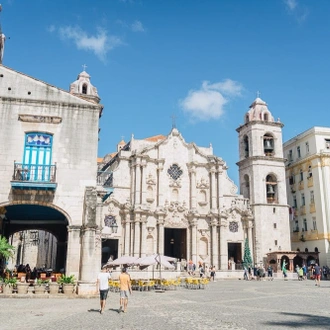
(262, 179)
(307, 182)
(48, 167)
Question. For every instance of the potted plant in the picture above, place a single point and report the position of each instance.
(22, 287)
(68, 283)
(9, 284)
(53, 287)
(40, 286)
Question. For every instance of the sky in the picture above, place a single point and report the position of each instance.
(197, 62)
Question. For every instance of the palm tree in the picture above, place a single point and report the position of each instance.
(6, 250)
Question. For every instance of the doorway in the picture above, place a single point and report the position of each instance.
(109, 250)
(235, 252)
(175, 243)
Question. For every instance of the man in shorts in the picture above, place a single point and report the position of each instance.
(125, 290)
(102, 285)
(317, 274)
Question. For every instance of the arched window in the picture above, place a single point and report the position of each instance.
(266, 117)
(247, 118)
(310, 174)
(271, 189)
(301, 174)
(246, 186)
(316, 249)
(268, 141)
(84, 89)
(306, 250)
(246, 146)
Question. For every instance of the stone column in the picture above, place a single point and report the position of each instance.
(143, 183)
(133, 188)
(127, 234)
(73, 251)
(137, 236)
(223, 248)
(213, 190)
(291, 267)
(161, 235)
(138, 184)
(193, 225)
(193, 197)
(214, 241)
(143, 235)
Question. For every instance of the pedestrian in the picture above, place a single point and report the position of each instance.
(300, 274)
(102, 285)
(213, 273)
(317, 274)
(125, 290)
(201, 271)
(246, 274)
(270, 273)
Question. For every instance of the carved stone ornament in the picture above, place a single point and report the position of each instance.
(40, 119)
(233, 226)
(176, 207)
(150, 180)
(176, 222)
(203, 184)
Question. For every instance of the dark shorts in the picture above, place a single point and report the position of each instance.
(318, 276)
(104, 294)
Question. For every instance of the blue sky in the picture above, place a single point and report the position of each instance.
(200, 60)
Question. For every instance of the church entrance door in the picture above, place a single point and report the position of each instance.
(235, 252)
(175, 243)
(109, 250)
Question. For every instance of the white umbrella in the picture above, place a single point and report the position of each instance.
(123, 260)
(156, 259)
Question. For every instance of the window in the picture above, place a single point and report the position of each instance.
(301, 173)
(298, 152)
(275, 242)
(314, 224)
(84, 89)
(305, 225)
(271, 189)
(175, 172)
(274, 210)
(310, 174)
(307, 147)
(290, 156)
(302, 199)
(296, 226)
(275, 226)
(37, 156)
(327, 143)
(291, 179)
(246, 146)
(295, 202)
(268, 145)
(312, 197)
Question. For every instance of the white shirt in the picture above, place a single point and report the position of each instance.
(103, 279)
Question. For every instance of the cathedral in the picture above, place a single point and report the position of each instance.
(175, 198)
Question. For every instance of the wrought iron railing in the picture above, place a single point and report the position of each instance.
(34, 173)
(104, 179)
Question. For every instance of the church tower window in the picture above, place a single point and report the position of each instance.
(268, 145)
(84, 89)
(175, 172)
(271, 188)
(246, 146)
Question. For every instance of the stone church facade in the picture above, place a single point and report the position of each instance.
(155, 195)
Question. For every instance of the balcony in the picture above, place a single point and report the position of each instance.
(27, 176)
(312, 208)
(301, 185)
(105, 179)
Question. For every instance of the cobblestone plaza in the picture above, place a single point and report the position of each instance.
(226, 304)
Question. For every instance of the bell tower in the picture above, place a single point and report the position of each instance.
(83, 88)
(262, 179)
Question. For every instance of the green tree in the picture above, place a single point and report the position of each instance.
(6, 250)
(247, 259)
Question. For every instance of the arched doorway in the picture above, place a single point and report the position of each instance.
(34, 218)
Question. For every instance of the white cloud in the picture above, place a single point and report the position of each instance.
(209, 101)
(137, 27)
(299, 11)
(100, 43)
(291, 4)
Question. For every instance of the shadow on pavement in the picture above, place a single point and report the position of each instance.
(307, 320)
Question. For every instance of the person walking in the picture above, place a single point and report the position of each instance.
(317, 274)
(125, 290)
(102, 285)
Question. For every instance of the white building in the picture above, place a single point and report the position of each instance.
(308, 189)
(174, 198)
(262, 179)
